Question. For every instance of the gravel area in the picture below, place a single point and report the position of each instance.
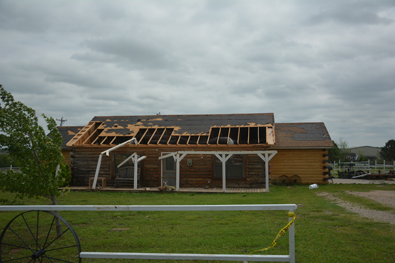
(384, 197)
(361, 181)
(381, 196)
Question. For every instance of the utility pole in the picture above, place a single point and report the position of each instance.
(61, 121)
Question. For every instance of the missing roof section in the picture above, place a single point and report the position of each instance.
(177, 130)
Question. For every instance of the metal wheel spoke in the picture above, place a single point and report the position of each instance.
(16, 259)
(57, 259)
(60, 248)
(31, 232)
(21, 236)
(11, 245)
(57, 238)
(49, 231)
(21, 239)
(48, 258)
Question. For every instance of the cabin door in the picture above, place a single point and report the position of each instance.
(168, 171)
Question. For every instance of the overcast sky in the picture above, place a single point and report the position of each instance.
(304, 61)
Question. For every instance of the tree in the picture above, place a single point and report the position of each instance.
(38, 155)
(344, 149)
(388, 151)
(334, 154)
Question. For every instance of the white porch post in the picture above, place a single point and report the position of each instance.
(177, 173)
(178, 160)
(268, 156)
(223, 158)
(267, 172)
(107, 152)
(136, 157)
(97, 171)
(223, 173)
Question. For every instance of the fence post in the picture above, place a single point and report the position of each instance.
(291, 235)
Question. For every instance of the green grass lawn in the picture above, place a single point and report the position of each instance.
(325, 232)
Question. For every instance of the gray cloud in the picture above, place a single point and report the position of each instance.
(133, 52)
(302, 60)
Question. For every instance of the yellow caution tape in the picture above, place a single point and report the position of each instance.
(282, 232)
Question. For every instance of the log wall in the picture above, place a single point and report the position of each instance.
(308, 164)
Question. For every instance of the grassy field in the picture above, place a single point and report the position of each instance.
(325, 232)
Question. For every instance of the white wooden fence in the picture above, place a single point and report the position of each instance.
(170, 256)
(367, 166)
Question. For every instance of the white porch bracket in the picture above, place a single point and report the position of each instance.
(167, 156)
(223, 158)
(107, 152)
(135, 159)
(178, 158)
(268, 156)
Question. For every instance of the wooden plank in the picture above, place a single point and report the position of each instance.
(152, 136)
(113, 140)
(248, 139)
(101, 143)
(258, 135)
(227, 141)
(142, 137)
(238, 135)
(219, 134)
(160, 138)
(97, 138)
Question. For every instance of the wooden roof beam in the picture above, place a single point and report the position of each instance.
(160, 138)
(142, 137)
(102, 142)
(152, 136)
(113, 140)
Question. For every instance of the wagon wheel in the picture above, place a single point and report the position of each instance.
(295, 179)
(31, 237)
(283, 179)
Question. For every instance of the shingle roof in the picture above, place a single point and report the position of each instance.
(68, 132)
(201, 130)
(302, 135)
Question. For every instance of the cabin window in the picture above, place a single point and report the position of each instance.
(126, 167)
(234, 167)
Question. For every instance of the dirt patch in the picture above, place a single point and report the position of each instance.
(375, 215)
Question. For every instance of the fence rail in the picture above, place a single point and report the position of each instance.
(171, 256)
(366, 166)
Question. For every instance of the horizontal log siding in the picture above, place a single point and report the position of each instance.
(84, 162)
(200, 174)
(308, 164)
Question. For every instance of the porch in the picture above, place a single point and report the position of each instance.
(181, 189)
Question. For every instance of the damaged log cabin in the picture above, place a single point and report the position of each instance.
(221, 150)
